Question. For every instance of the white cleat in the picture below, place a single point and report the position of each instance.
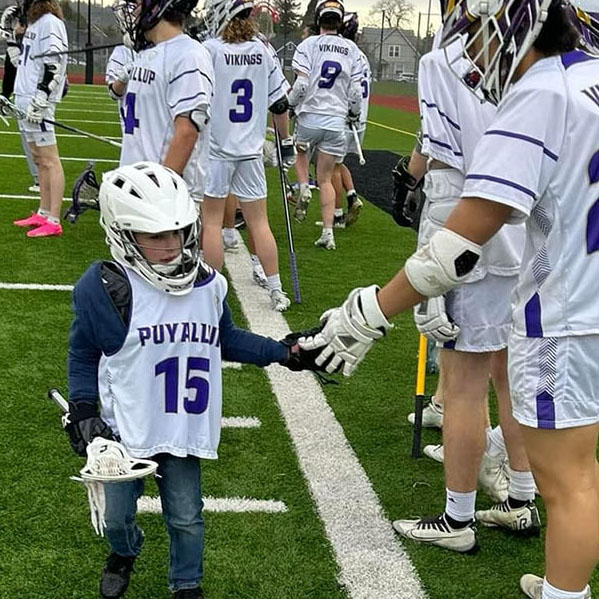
(492, 478)
(230, 245)
(523, 520)
(259, 277)
(436, 531)
(326, 241)
(301, 207)
(279, 300)
(432, 415)
(34, 188)
(434, 452)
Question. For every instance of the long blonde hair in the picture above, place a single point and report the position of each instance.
(41, 7)
(239, 30)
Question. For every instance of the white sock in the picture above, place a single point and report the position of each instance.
(460, 506)
(229, 234)
(522, 485)
(438, 406)
(327, 232)
(351, 192)
(550, 592)
(44, 213)
(338, 211)
(495, 442)
(274, 282)
(53, 220)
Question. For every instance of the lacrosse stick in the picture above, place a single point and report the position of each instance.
(107, 462)
(10, 109)
(86, 191)
(419, 398)
(78, 51)
(292, 261)
(358, 144)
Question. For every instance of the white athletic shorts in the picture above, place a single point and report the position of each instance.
(245, 179)
(483, 312)
(554, 381)
(350, 144)
(323, 140)
(42, 134)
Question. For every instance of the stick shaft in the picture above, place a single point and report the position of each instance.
(56, 396)
(80, 50)
(358, 144)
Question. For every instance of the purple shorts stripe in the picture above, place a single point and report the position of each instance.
(545, 410)
(532, 317)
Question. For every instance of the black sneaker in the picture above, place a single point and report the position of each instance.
(115, 576)
(196, 593)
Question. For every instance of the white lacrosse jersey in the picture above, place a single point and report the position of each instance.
(453, 120)
(172, 78)
(121, 55)
(366, 84)
(332, 65)
(162, 391)
(247, 81)
(47, 34)
(541, 157)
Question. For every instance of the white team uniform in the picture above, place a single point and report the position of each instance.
(172, 78)
(453, 120)
(333, 66)
(541, 156)
(47, 34)
(176, 406)
(365, 84)
(121, 55)
(248, 81)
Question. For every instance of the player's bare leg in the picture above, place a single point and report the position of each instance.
(339, 217)
(213, 210)
(302, 172)
(324, 171)
(565, 467)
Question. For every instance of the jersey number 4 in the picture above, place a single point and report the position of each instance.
(131, 123)
(170, 369)
(244, 89)
(593, 217)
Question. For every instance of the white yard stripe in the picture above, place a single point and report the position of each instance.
(7, 196)
(220, 504)
(94, 110)
(86, 121)
(241, 422)
(117, 138)
(372, 561)
(35, 287)
(68, 158)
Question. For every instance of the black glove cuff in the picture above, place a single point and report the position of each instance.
(82, 409)
(402, 175)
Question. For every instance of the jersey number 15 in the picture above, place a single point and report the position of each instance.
(170, 369)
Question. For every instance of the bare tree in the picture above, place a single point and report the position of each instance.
(397, 12)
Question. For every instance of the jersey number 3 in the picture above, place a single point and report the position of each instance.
(170, 369)
(244, 90)
(593, 217)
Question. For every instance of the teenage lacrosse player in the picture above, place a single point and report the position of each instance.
(38, 87)
(249, 84)
(150, 331)
(168, 90)
(325, 94)
(538, 162)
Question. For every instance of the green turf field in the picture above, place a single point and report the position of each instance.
(47, 546)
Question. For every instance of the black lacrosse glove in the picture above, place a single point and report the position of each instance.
(403, 182)
(288, 152)
(83, 424)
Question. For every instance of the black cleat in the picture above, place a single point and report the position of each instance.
(116, 575)
(196, 593)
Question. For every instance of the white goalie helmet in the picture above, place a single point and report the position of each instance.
(146, 197)
(219, 13)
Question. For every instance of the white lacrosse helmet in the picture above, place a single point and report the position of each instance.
(219, 13)
(146, 197)
(507, 31)
(327, 7)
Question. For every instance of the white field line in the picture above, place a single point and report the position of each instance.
(95, 110)
(234, 365)
(241, 422)
(35, 287)
(86, 121)
(220, 504)
(371, 560)
(117, 138)
(68, 158)
(7, 196)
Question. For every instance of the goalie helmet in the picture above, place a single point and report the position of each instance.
(134, 19)
(349, 29)
(328, 7)
(219, 13)
(586, 20)
(507, 30)
(149, 198)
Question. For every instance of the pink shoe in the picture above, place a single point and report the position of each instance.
(35, 220)
(46, 230)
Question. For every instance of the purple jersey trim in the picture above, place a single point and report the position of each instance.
(433, 105)
(503, 182)
(442, 144)
(532, 140)
(575, 57)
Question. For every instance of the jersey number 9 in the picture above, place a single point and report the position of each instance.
(329, 72)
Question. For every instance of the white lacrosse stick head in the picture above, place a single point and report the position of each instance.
(108, 461)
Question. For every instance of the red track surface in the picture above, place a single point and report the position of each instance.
(406, 103)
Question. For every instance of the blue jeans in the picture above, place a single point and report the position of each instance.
(180, 491)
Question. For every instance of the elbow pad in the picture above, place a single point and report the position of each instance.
(355, 98)
(51, 79)
(198, 116)
(280, 106)
(298, 92)
(442, 264)
(113, 95)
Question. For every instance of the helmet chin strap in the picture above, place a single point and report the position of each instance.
(168, 268)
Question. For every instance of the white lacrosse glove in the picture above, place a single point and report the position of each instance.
(39, 103)
(124, 73)
(433, 322)
(14, 52)
(288, 153)
(349, 331)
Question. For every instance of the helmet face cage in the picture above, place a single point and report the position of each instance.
(219, 13)
(587, 24)
(350, 26)
(325, 7)
(499, 34)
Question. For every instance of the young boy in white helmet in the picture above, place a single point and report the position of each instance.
(150, 331)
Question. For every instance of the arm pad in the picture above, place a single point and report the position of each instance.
(355, 98)
(299, 90)
(113, 95)
(442, 264)
(280, 106)
(51, 79)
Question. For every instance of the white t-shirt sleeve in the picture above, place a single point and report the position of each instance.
(302, 59)
(515, 159)
(190, 82)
